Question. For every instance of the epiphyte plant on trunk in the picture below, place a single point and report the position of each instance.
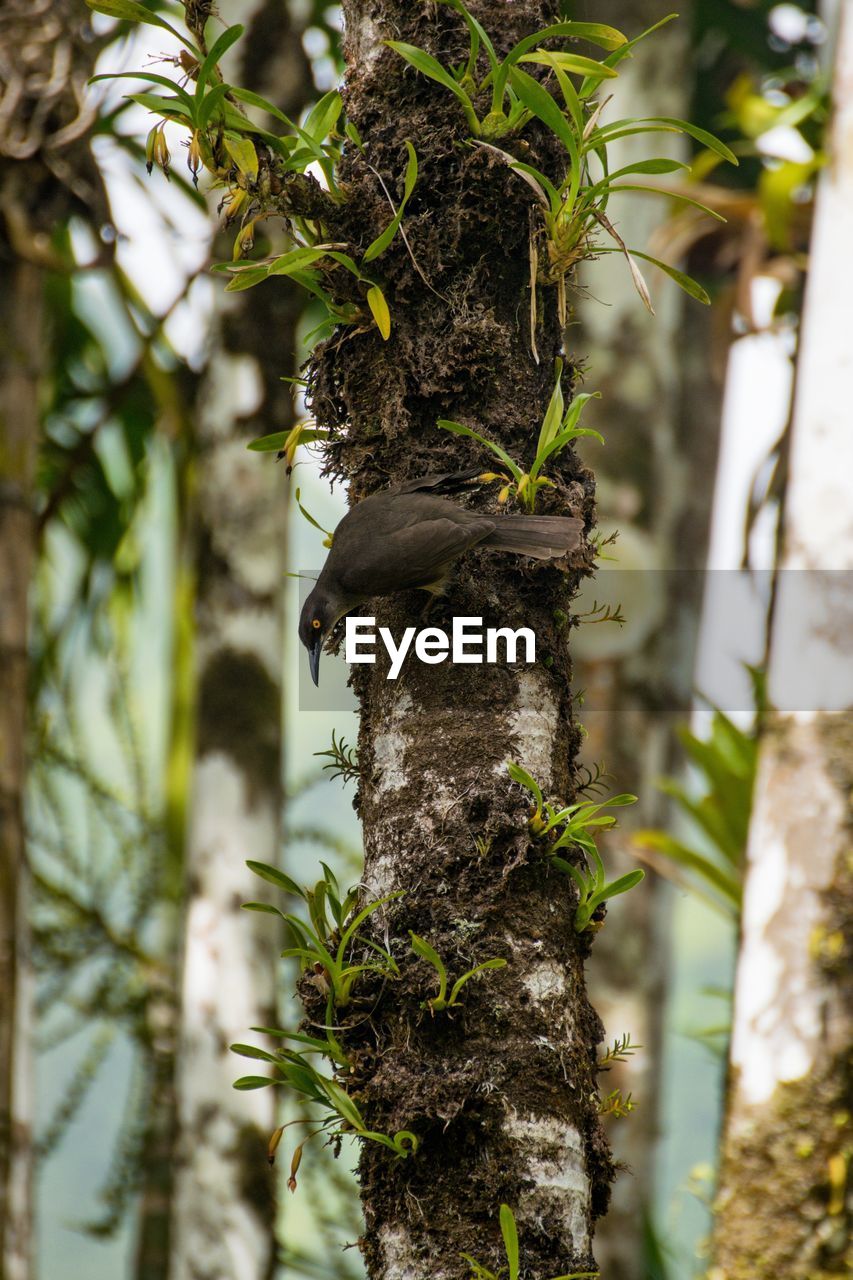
(438, 1003)
(253, 165)
(575, 823)
(325, 943)
(509, 1232)
(575, 208)
(559, 429)
(257, 167)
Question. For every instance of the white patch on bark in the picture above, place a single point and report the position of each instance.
(545, 982)
(552, 1154)
(366, 39)
(796, 836)
(533, 727)
(396, 1246)
(389, 748)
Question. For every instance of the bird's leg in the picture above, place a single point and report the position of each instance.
(434, 591)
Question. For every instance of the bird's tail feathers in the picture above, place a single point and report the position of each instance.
(542, 537)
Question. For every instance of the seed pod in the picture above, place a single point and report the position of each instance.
(273, 1144)
(245, 241)
(194, 156)
(160, 150)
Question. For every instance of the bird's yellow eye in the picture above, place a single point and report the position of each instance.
(316, 624)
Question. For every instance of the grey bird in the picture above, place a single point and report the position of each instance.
(408, 537)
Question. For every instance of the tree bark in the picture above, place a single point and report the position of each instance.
(501, 1093)
(783, 1206)
(19, 428)
(45, 57)
(224, 1223)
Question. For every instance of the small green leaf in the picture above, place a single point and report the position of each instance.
(521, 776)
(218, 50)
(539, 101)
(379, 310)
(458, 429)
(296, 260)
(254, 1082)
(244, 155)
(252, 1051)
(265, 907)
(170, 108)
(152, 78)
(263, 104)
(322, 118)
(342, 1103)
(381, 243)
(422, 948)
(274, 876)
(701, 135)
(509, 1231)
(685, 282)
(246, 279)
(212, 102)
(573, 63)
(429, 66)
(130, 11)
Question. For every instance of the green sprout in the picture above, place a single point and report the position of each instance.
(441, 1001)
(343, 760)
(559, 428)
(617, 1105)
(509, 1231)
(326, 940)
(576, 822)
(620, 1051)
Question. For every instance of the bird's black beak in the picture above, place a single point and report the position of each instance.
(314, 659)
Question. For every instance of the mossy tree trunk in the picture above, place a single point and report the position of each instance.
(784, 1201)
(502, 1092)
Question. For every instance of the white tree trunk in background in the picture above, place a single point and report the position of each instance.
(655, 485)
(781, 1206)
(223, 1220)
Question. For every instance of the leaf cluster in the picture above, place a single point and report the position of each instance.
(725, 765)
(573, 208)
(442, 1001)
(325, 942)
(295, 1070)
(240, 156)
(559, 429)
(576, 823)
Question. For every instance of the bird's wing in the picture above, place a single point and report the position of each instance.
(444, 482)
(411, 556)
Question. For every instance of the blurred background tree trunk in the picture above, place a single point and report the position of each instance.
(226, 1207)
(783, 1204)
(47, 173)
(660, 418)
(20, 321)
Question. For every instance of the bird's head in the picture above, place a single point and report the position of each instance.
(319, 615)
